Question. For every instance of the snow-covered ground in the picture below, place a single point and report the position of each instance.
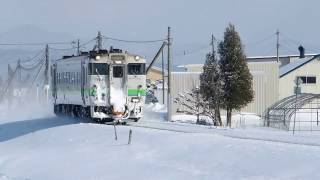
(36, 145)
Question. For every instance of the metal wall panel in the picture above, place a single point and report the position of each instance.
(265, 85)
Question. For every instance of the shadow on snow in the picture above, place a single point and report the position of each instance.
(16, 129)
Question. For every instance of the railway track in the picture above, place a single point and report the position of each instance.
(200, 129)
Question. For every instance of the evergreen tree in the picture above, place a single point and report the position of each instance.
(235, 74)
(210, 86)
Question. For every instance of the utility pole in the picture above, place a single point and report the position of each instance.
(78, 47)
(46, 73)
(9, 87)
(163, 79)
(99, 41)
(278, 45)
(169, 103)
(19, 71)
(213, 40)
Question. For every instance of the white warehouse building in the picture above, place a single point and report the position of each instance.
(265, 84)
(272, 80)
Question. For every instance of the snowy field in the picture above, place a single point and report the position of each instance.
(41, 146)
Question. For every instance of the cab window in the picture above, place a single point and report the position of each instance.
(136, 69)
(117, 71)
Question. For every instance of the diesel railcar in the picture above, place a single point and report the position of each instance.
(102, 85)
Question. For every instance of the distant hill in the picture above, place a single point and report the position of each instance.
(33, 34)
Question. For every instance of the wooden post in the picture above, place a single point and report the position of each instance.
(115, 130)
(130, 136)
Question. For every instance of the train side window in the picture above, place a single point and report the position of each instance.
(98, 69)
(118, 71)
(77, 78)
(69, 78)
(62, 78)
(66, 77)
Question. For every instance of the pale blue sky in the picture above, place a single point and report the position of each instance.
(192, 22)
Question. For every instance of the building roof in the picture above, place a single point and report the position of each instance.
(190, 65)
(295, 65)
(281, 56)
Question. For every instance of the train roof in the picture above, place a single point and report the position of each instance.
(86, 54)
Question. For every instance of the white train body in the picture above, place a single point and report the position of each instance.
(100, 85)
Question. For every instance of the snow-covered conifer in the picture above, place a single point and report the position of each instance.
(235, 74)
(210, 86)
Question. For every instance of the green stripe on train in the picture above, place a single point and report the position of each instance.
(135, 92)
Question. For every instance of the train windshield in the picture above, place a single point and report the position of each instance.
(117, 71)
(136, 69)
(98, 69)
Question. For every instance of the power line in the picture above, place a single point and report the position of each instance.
(261, 40)
(73, 48)
(297, 42)
(36, 76)
(34, 66)
(35, 56)
(34, 44)
(193, 51)
(288, 44)
(133, 41)
(63, 49)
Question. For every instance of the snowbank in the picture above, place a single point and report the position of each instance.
(238, 120)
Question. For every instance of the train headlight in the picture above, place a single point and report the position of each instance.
(98, 57)
(137, 58)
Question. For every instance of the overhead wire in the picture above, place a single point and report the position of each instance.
(36, 76)
(133, 41)
(298, 43)
(261, 40)
(32, 67)
(290, 46)
(34, 44)
(192, 51)
(34, 57)
(73, 48)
